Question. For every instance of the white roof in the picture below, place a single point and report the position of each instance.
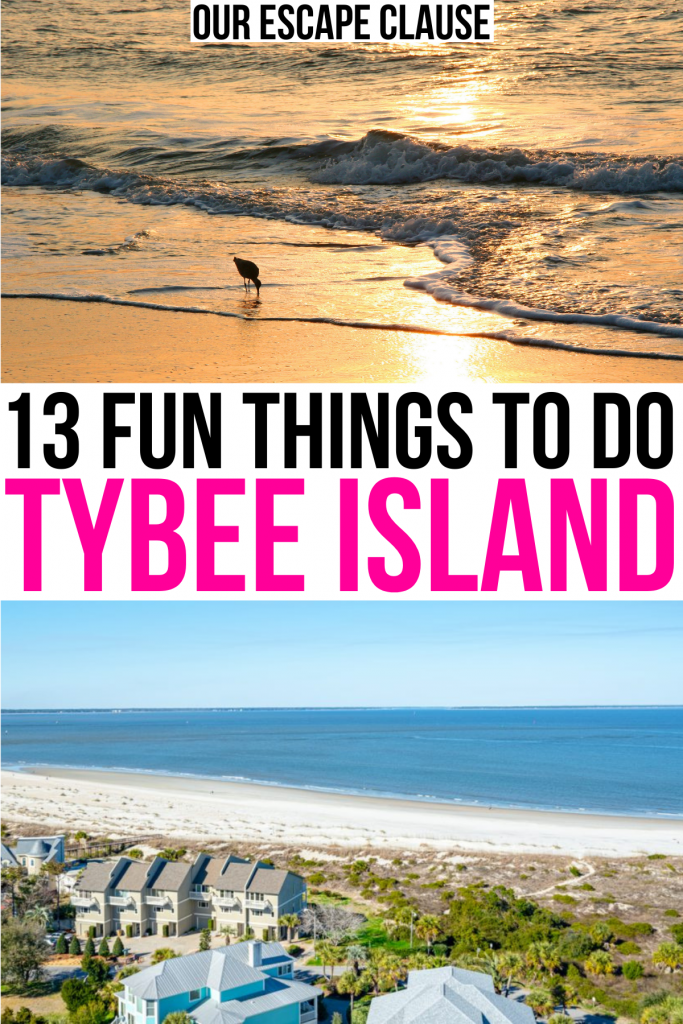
(448, 995)
(219, 969)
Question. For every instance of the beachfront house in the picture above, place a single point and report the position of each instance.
(172, 897)
(248, 981)
(448, 995)
(31, 854)
(242, 895)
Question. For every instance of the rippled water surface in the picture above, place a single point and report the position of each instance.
(537, 181)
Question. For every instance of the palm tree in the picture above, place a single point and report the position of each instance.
(54, 869)
(668, 955)
(599, 962)
(40, 914)
(350, 984)
(383, 970)
(328, 954)
(228, 930)
(163, 953)
(540, 1001)
(429, 929)
(542, 956)
(356, 955)
(291, 922)
(510, 966)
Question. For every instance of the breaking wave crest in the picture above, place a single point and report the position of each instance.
(388, 158)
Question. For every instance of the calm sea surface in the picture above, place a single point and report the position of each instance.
(621, 761)
(534, 184)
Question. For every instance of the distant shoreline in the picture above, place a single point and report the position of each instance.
(202, 809)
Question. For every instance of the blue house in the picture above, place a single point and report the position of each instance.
(250, 981)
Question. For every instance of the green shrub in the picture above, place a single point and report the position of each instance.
(573, 870)
(117, 949)
(633, 970)
(75, 946)
(75, 992)
(89, 946)
(629, 948)
(91, 931)
(295, 951)
(677, 932)
(165, 930)
(562, 897)
(129, 931)
(103, 948)
(671, 913)
(61, 946)
(574, 945)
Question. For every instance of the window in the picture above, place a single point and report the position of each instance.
(256, 896)
(121, 892)
(195, 994)
(150, 1007)
(138, 1005)
(202, 905)
(227, 893)
(157, 892)
(200, 888)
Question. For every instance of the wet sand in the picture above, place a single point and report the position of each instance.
(119, 803)
(77, 342)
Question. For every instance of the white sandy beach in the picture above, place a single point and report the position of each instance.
(199, 810)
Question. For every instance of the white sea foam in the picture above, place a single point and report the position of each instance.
(386, 158)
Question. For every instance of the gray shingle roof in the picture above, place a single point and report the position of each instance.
(268, 880)
(235, 876)
(97, 875)
(448, 995)
(220, 969)
(7, 855)
(38, 846)
(169, 875)
(133, 876)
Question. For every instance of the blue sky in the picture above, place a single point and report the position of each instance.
(195, 654)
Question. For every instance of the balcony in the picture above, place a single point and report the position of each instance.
(201, 896)
(157, 901)
(121, 901)
(82, 901)
(227, 902)
(308, 1015)
(263, 905)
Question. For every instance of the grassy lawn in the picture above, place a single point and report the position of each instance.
(373, 935)
(46, 1004)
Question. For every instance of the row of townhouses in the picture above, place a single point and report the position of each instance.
(171, 897)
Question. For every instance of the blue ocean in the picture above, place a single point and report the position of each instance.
(597, 760)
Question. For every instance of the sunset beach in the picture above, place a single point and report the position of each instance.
(413, 209)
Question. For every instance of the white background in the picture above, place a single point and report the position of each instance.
(316, 513)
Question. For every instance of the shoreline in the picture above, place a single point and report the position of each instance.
(352, 794)
(196, 809)
(80, 342)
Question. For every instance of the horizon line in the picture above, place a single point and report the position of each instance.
(346, 707)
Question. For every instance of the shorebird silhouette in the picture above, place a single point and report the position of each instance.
(249, 272)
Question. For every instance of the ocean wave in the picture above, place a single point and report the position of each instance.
(508, 336)
(388, 158)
